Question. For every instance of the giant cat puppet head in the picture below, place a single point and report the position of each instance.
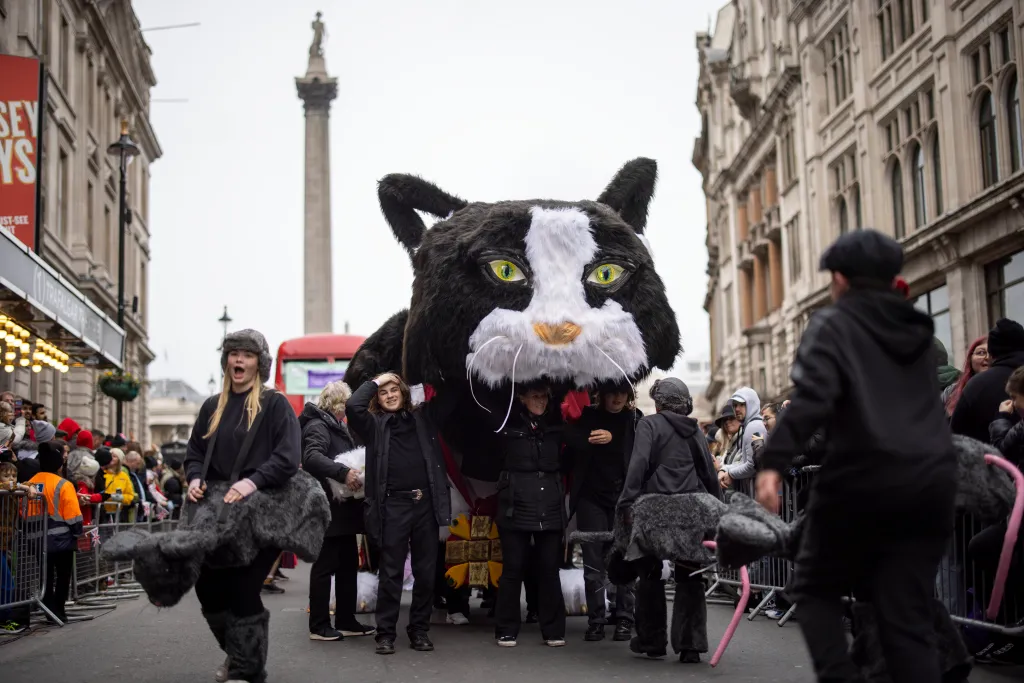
(538, 290)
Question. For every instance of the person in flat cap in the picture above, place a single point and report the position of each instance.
(670, 456)
(218, 451)
(881, 513)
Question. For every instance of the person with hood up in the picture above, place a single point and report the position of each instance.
(982, 395)
(739, 463)
(70, 428)
(881, 511)
(670, 456)
(948, 374)
(42, 432)
(325, 435)
(82, 469)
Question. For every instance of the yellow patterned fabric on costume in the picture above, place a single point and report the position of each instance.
(473, 552)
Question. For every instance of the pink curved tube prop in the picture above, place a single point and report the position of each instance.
(737, 615)
(1010, 539)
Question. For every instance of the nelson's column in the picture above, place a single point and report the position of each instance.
(317, 90)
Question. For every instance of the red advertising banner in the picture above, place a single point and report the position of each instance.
(19, 145)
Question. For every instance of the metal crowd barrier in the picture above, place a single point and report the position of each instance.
(963, 583)
(23, 522)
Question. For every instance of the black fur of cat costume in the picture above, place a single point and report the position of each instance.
(674, 527)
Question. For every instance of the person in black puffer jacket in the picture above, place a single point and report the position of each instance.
(325, 435)
(979, 402)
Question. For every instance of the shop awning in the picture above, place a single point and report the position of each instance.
(40, 297)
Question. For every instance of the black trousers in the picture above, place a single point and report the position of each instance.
(339, 558)
(898, 581)
(406, 523)
(58, 581)
(235, 590)
(594, 517)
(547, 557)
(689, 610)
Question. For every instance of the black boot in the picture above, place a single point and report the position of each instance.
(246, 640)
(689, 615)
(651, 617)
(217, 622)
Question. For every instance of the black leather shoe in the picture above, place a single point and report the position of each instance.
(634, 647)
(595, 632)
(421, 643)
(531, 617)
(689, 657)
(623, 630)
(385, 646)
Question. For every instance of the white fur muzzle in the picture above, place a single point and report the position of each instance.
(559, 245)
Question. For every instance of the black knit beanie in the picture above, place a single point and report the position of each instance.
(51, 457)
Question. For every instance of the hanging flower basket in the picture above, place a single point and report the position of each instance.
(122, 387)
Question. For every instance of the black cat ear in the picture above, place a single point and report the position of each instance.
(401, 196)
(630, 191)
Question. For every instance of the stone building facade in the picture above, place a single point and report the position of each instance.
(825, 116)
(98, 75)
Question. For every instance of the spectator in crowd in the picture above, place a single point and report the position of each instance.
(769, 413)
(39, 413)
(42, 432)
(136, 469)
(977, 361)
(670, 456)
(62, 530)
(6, 439)
(739, 463)
(82, 469)
(113, 483)
(1007, 430)
(70, 429)
(865, 370)
(98, 438)
(979, 403)
(6, 413)
(8, 397)
(948, 375)
(598, 474)
(325, 435)
(172, 482)
(14, 620)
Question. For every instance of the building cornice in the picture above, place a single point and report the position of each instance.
(802, 8)
(784, 85)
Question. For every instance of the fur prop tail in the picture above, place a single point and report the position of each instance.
(592, 537)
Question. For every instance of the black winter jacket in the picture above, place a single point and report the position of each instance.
(979, 402)
(865, 371)
(373, 429)
(1007, 434)
(531, 496)
(670, 455)
(323, 437)
(582, 452)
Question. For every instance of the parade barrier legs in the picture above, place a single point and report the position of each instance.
(23, 523)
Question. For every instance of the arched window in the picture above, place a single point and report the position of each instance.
(898, 225)
(844, 221)
(1013, 122)
(920, 206)
(987, 131)
(937, 166)
(858, 223)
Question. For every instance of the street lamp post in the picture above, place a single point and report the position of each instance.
(123, 150)
(224, 320)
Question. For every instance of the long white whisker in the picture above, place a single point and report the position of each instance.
(469, 371)
(512, 397)
(612, 360)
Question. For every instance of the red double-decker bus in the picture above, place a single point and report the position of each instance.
(307, 364)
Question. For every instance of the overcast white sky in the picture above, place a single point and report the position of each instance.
(531, 99)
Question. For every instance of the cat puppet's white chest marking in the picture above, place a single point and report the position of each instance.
(559, 245)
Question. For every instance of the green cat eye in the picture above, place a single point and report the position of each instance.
(506, 271)
(606, 274)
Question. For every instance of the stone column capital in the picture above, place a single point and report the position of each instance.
(317, 94)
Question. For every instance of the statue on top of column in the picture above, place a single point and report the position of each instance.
(319, 33)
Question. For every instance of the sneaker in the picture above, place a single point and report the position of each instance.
(421, 643)
(507, 641)
(689, 657)
(272, 588)
(531, 617)
(356, 629)
(774, 614)
(279, 575)
(457, 619)
(326, 633)
(385, 646)
(595, 632)
(623, 630)
(12, 628)
(555, 642)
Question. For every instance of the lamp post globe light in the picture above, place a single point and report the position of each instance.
(124, 150)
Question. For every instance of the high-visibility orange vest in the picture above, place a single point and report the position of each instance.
(65, 516)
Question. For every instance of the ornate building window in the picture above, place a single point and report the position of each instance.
(896, 185)
(838, 80)
(991, 69)
(989, 144)
(845, 192)
(920, 203)
(1004, 287)
(937, 170)
(787, 152)
(897, 20)
(1013, 123)
(907, 130)
(793, 238)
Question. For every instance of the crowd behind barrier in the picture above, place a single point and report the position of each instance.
(962, 584)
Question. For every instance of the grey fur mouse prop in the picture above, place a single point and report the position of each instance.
(292, 518)
(519, 292)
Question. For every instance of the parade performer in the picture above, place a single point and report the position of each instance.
(881, 511)
(249, 438)
(407, 499)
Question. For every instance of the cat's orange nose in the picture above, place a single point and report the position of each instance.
(557, 335)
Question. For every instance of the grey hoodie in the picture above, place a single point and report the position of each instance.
(744, 466)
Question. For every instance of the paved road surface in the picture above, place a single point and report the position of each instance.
(137, 642)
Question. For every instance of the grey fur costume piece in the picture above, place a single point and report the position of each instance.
(251, 341)
(291, 518)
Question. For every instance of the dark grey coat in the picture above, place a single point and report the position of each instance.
(323, 437)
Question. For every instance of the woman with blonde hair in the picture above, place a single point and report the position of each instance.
(324, 436)
(222, 449)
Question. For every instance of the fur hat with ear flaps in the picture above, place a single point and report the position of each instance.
(251, 341)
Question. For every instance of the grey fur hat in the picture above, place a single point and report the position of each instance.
(672, 394)
(251, 341)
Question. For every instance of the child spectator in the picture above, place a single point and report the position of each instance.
(63, 528)
(12, 621)
(1006, 432)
